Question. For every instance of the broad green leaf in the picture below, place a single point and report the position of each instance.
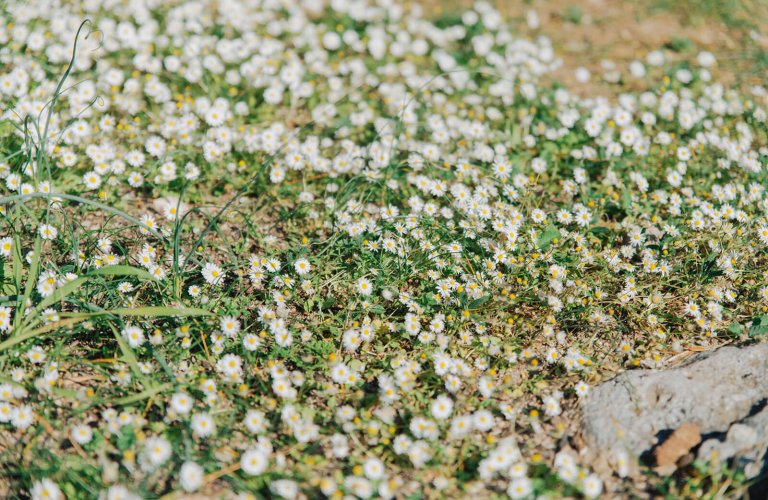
(479, 302)
(546, 238)
(759, 326)
(735, 328)
(121, 270)
(626, 200)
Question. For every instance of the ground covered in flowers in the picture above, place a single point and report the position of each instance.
(279, 249)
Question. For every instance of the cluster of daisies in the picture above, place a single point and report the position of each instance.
(408, 255)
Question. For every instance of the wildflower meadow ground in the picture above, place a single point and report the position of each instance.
(350, 249)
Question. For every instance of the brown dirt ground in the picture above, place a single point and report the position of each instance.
(624, 30)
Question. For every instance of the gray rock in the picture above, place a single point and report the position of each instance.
(746, 442)
(723, 392)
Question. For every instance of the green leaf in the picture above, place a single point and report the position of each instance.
(63, 291)
(626, 200)
(143, 311)
(34, 268)
(17, 264)
(735, 328)
(759, 326)
(77, 317)
(159, 311)
(377, 309)
(121, 270)
(7, 289)
(125, 438)
(479, 302)
(143, 395)
(128, 355)
(59, 294)
(84, 201)
(329, 302)
(17, 339)
(546, 238)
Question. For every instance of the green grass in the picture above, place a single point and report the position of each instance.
(737, 14)
(111, 334)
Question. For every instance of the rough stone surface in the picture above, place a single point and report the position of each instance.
(746, 442)
(724, 392)
(678, 444)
